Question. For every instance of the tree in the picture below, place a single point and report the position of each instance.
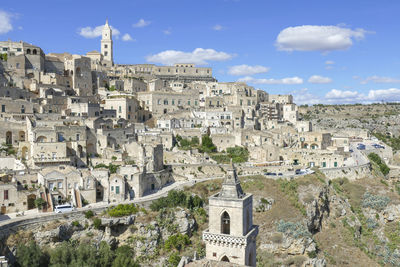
(106, 255)
(30, 255)
(40, 203)
(124, 257)
(207, 144)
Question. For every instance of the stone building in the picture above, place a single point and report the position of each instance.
(231, 236)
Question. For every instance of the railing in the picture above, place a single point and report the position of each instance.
(51, 159)
(225, 239)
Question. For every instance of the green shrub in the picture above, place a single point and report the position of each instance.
(174, 259)
(89, 214)
(177, 198)
(375, 202)
(40, 203)
(381, 164)
(123, 210)
(295, 229)
(207, 144)
(177, 241)
(75, 223)
(97, 223)
(31, 255)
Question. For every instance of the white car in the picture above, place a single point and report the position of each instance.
(64, 208)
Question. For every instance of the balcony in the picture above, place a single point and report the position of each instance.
(229, 240)
(52, 160)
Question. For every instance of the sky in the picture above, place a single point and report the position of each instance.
(331, 51)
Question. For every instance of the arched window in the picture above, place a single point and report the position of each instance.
(225, 258)
(34, 52)
(28, 51)
(225, 223)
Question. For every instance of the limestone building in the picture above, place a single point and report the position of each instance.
(231, 236)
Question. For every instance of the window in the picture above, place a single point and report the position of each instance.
(112, 188)
(105, 46)
(5, 48)
(19, 49)
(117, 190)
(5, 194)
(129, 108)
(3, 108)
(335, 164)
(173, 102)
(120, 109)
(159, 101)
(106, 53)
(241, 102)
(54, 155)
(179, 102)
(165, 102)
(195, 102)
(60, 185)
(225, 223)
(188, 102)
(77, 137)
(324, 164)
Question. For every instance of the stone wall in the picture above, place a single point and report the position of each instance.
(351, 173)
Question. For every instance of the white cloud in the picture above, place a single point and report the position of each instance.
(218, 27)
(127, 37)
(242, 70)
(303, 96)
(167, 32)
(329, 62)
(317, 38)
(89, 32)
(5, 22)
(141, 23)
(338, 94)
(379, 79)
(389, 95)
(199, 56)
(319, 79)
(289, 80)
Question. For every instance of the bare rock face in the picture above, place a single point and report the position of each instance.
(61, 233)
(146, 238)
(391, 213)
(316, 201)
(262, 204)
(186, 223)
(282, 243)
(128, 220)
(315, 263)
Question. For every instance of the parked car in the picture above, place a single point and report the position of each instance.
(298, 171)
(361, 147)
(351, 150)
(63, 208)
(280, 174)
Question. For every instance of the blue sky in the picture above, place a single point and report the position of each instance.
(320, 51)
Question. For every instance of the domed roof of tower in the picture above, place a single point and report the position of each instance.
(231, 186)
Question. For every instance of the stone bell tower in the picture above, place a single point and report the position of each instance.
(107, 45)
(231, 235)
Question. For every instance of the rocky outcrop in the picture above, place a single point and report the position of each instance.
(61, 233)
(282, 243)
(316, 201)
(315, 263)
(391, 213)
(146, 238)
(117, 221)
(185, 222)
(262, 204)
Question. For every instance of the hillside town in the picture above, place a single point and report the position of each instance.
(84, 131)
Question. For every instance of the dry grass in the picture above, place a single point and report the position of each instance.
(338, 246)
